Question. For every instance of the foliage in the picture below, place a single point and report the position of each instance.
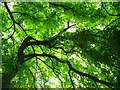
(61, 45)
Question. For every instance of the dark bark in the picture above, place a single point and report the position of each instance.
(8, 10)
(22, 58)
(72, 68)
(7, 77)
(89, 76)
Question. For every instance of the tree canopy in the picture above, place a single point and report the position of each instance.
(61, 45)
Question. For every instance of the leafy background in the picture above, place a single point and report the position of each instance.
(61, 45)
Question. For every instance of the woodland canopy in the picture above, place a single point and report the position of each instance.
(60, 45)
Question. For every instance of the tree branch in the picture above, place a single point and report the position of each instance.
(107, 26)
(70, 67)
(11, 16)
(108, 12)
(89, 76)
(57, 35)
(8, 10)
(71, 79)
(34, 77)
(29, 56)
(27, 43)
(53, 71)
(65, 7)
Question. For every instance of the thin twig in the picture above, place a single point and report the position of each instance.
(71, 80)
(108, 12)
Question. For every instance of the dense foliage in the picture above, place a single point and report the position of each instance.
(61, 45)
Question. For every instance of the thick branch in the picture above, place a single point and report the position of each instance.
(70, 67)
(27, 43)
(89, 76)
